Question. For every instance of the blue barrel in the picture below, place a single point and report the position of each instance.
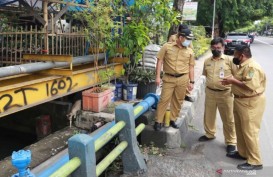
(129, 91)
(118, 91)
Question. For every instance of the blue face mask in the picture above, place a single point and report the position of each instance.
(186, 43)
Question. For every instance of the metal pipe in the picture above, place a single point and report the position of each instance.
(47, 170)
(213, 19)
(68, 168)
(140, 128)
(149, 101)
(110, 157)
(39, 66)
(50, 166)
(107, 136)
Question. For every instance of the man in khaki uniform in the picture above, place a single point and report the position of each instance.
(178, 66)
(173, 38)
(248, 86)
(219, 96)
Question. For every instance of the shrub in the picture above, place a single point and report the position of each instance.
(201, 43)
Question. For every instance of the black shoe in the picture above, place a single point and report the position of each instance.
(247, 166)
(157, 126)
(172, 124)
(231, 149)
(204, 138)
(188, 98)
(236, 155)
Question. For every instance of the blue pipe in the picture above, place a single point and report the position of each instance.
(55, 166)
(65, 157)
(150, 100)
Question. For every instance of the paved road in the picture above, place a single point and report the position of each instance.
(262, 51)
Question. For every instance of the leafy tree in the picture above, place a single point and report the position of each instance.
(232, 14)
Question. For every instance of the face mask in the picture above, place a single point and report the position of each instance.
(236, 61)
(216, 53)
(186, 43)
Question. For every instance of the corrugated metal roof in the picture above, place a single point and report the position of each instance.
(6, 2)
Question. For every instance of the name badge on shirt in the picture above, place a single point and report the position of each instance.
(222, 73)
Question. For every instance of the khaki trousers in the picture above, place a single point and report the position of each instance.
(248, 113)
(188, 93)
(173, 90)
(223, 100)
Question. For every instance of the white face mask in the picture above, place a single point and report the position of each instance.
(186, 43)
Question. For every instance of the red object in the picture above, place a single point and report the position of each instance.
(247, 41)
(96, 102)
(43, 126)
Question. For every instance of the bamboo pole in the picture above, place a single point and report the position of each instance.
(7, 48)
(45, 13)
(36, 38)
(57, 38)
(26, 40)
(60, 45)
(2, 47)
(42, 45)
(52, 32)
(30, 40)
(16, 45)
(72, 42)
(21, 44)
(11, 46)
(69, 40)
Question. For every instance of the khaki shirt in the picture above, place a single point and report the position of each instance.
(173, 38)
(213, 68)
(252, 75)
(176, 60)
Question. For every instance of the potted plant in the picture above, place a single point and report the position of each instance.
(98, 21)
(133, 40)
(145, 78)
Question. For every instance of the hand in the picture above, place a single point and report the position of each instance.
(190, 86)
(157, 81)
(227, 80)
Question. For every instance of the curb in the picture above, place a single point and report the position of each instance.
(170, 137)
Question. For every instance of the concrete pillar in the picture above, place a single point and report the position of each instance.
(132, 158)
(83, 146)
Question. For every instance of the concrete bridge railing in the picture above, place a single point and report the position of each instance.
(82, 148)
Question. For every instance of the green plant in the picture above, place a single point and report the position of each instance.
(106, 75)
(133, 40)
(141, 75)
(156, 15)
(201, 44)
(152, 149)
(99, 20)
(3, 22)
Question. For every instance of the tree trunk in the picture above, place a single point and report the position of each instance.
(177, 5)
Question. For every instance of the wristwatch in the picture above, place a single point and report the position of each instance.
(192, 82)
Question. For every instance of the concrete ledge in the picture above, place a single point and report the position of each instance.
(170, 137)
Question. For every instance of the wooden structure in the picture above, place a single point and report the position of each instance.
(37, 31)
(30, 40)
(19, 92)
